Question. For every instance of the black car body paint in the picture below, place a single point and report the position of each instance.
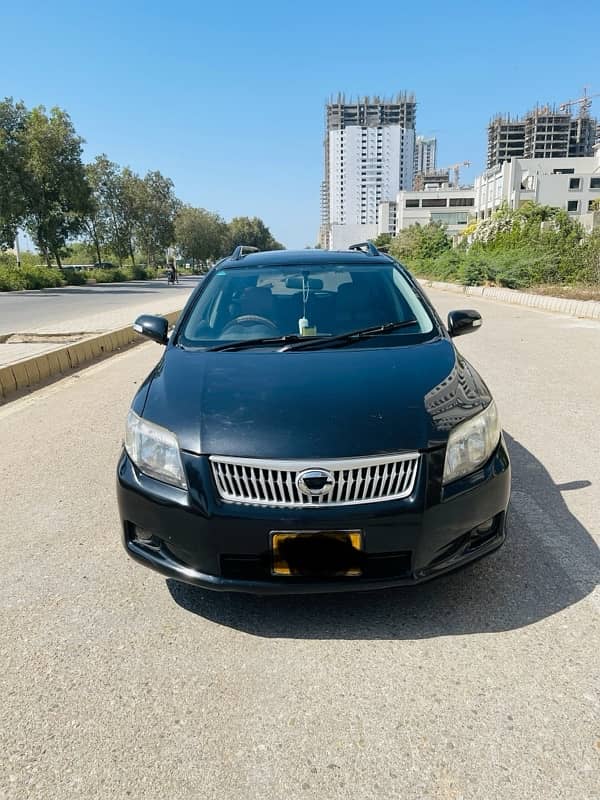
(371, 398)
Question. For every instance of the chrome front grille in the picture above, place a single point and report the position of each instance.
(275, 483)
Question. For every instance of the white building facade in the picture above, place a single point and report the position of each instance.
(453, 208)
(367, 165)
(425, 154)
(568, 183)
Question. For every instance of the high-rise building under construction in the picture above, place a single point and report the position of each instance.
(545, 132)
(368, 158)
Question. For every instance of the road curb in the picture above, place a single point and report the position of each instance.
(585, 309)
(29, 372)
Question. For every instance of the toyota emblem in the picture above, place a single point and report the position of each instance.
(315, 482)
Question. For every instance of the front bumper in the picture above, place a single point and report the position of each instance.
(195, 538)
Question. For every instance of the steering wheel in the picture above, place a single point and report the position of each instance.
(250, 319)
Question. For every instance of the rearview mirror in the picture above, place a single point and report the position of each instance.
(463, 321)
(155, 328)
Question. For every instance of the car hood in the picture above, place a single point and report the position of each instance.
(314, 404)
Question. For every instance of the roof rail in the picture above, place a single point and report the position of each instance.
(241, 250)
(365, 247)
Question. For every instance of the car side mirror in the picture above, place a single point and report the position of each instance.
(155, 328)
(463, 321)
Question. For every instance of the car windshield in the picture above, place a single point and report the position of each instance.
(242, 303)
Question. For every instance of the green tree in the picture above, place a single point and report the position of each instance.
(79, 252)
(56, 191)
(97, 221)
(383, 241)
(12, 191)
(131, 197)
(152, 207)
(251, 231)
(109, 223)
(200, 235)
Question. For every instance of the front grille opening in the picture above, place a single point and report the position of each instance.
(353, 481)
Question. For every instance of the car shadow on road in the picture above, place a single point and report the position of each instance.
(548, 563)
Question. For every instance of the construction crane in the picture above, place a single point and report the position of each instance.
(584, 103)
(456, 168)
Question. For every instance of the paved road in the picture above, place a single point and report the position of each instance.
(71, 307)
(482, 685)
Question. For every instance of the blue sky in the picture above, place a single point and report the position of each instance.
(227, 98)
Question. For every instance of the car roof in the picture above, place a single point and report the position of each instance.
(294, 258)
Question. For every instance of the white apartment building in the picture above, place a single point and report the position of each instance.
(452, 207)
(425, 154)
(367, 166)
(568, 183)
(369, 157)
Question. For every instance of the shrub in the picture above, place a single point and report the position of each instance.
(7, 259)
(42, 277)
(15, 278)
(106, 275)
(118, 275)
(11, 279)
(420, 243)
(474, 271)
(448, 265)
(515, 271)
(141, 273)
(590, 259)
(75, 278)
(30, 276)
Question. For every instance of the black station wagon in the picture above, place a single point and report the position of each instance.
(311, 427)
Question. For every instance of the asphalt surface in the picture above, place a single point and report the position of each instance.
(50, 309)
(484, 684)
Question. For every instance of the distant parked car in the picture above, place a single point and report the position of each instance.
(311, 427)
(104, 265)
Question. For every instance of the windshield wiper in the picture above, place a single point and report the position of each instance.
(244, 343)
(293, 341)
(348, 338)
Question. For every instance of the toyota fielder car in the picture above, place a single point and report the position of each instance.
(311, 427)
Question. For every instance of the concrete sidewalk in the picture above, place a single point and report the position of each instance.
(584, 309)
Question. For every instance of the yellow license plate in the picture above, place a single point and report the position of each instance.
(317, 554)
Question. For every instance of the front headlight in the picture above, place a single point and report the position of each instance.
(154, 450)
(471, 443)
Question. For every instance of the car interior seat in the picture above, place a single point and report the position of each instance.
(256, 300)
